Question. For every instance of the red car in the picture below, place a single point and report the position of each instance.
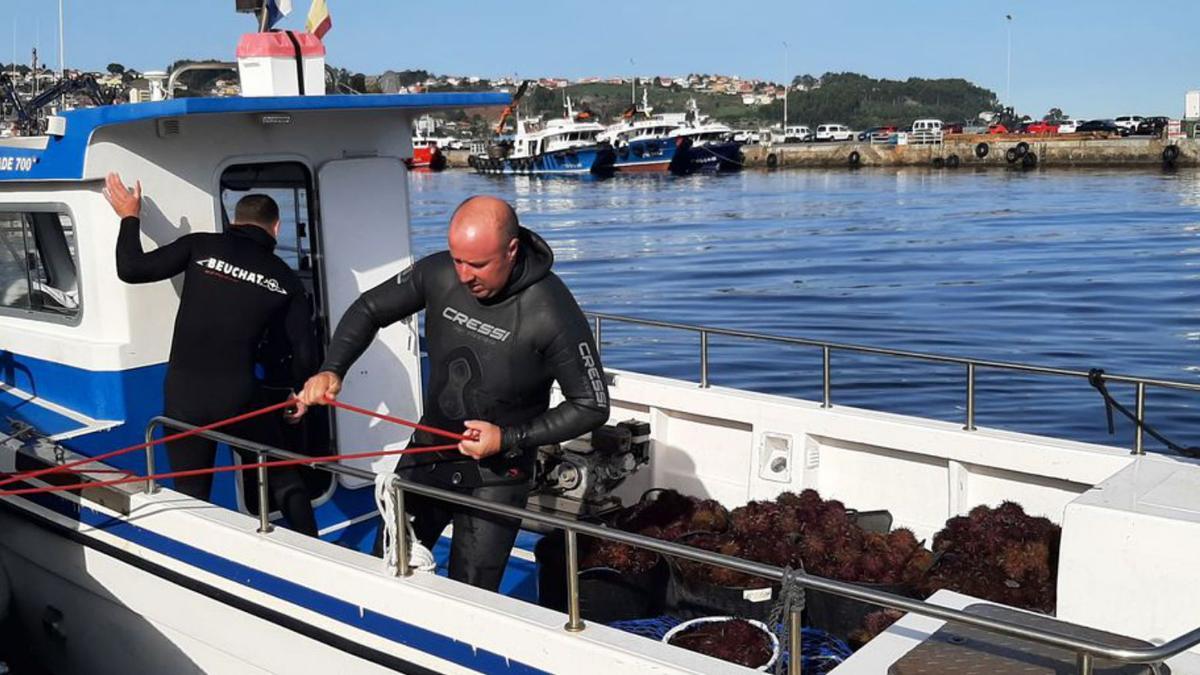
(997, 128)
(1040, 128)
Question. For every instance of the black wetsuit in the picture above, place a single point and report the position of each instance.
(235, 290)
(492, 360)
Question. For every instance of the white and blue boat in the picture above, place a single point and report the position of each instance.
(562, 146)
(706, 145)
(139, 578)
(641, 140)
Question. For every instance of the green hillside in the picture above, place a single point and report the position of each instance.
(846, 98)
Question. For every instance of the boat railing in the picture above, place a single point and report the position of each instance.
(971, 366)
(1085, 650)
(173, 78)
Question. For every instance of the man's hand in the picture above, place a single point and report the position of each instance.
(487, 439)
(319, 389)
(296, 412)
(124, 202)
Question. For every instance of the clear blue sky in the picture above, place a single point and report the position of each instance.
(1092, 59)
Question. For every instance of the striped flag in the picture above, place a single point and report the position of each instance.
(276, 10)
(319, 21)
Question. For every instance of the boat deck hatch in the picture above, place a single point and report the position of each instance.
(971, 651)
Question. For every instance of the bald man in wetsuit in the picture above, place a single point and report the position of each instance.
(500, 329)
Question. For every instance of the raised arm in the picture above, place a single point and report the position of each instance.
(135, 265)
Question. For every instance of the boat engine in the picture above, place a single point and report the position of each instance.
(577, 478)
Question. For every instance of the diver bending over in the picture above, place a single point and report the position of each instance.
(500, 329)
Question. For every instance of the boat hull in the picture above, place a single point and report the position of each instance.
(591, 160)
(646, 155)
(710, 157)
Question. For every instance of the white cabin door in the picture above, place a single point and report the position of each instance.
(365, 241)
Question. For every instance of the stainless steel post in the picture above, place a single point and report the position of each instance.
(970, 426)
(264, 503)
(1138, 435)
(574, 620)
(826, 400)
(597, 336)
(1084, 662)
(151, 484)
(795, 631)
(402, 553)
(704, 359)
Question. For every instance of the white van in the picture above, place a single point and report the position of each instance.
(797, 134)
(834, 132)
(927, 126)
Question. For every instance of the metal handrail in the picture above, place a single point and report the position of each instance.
(1085, 650)
(827, 347)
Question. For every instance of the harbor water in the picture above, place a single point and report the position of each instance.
(1073, 269)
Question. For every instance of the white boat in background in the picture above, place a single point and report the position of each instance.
(564, 145)
(139, 578)
(642, 140)
(707, 145)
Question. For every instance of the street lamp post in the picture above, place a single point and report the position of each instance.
(1008, 82)
(632, 83)
(786, 87)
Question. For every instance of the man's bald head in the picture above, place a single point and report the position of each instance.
(483, 243)
(486, 212)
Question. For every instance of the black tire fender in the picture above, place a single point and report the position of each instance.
(772, 160)
(1170, 154)
(952, 162)
(854, 158)
(1011, 155)
(1022, 148)
(1029, 160)
(981, 150)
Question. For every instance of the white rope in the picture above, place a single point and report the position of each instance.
(419, 557)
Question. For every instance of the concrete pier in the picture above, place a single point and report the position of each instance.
(962, 149)
(1055, 151)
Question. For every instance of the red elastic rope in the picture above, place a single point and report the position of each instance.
(396, 420)
(142, 446)
(221, 469)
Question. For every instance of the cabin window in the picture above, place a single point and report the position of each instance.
(290, 184)
(37, 263)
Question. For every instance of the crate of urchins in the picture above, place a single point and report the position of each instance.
(999, 554)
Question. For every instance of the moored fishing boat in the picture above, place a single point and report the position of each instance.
(641, 140)
(562, 146)
(705, 144)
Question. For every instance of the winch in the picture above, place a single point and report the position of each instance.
(577, 478)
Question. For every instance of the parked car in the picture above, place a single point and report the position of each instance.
(1039, 127)
(997, 128)
(797, 134)
(1152, 126)
(1106, 126)
(1068, 126)
(1128, 123)
(834, 132)
(876, 134)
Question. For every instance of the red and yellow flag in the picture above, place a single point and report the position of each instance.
(319, 21)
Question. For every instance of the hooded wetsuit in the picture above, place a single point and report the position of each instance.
(494, 360)
(235, 290)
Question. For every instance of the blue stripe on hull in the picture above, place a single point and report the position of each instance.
(132, 397)
(350, 614)
(579, 161)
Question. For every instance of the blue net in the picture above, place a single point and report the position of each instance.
(820, 651)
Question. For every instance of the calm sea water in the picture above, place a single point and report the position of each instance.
(1059, 268)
